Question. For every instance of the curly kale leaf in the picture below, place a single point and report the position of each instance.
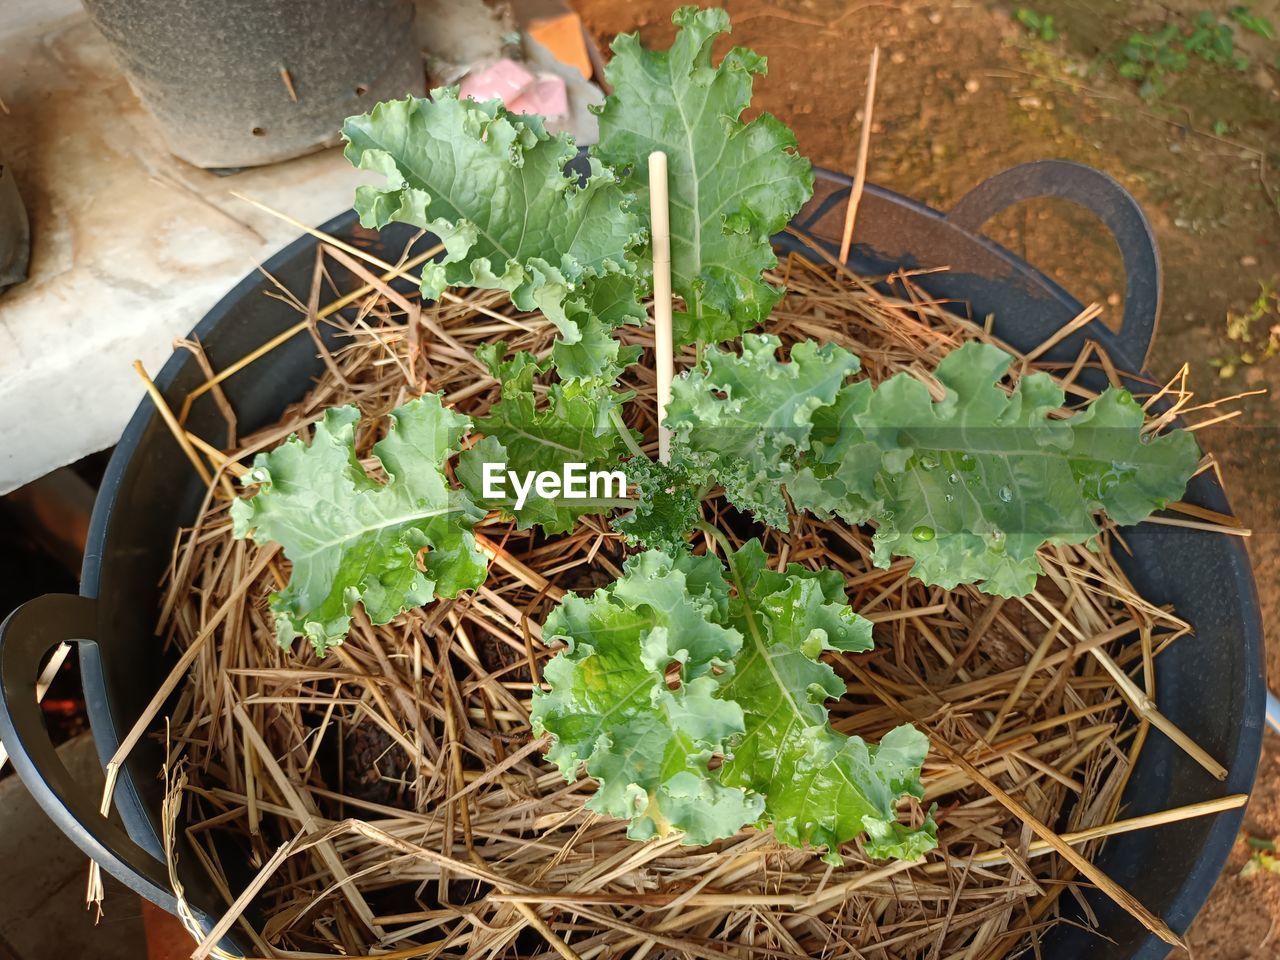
(668, 505)
(528, 435)
(745, 419)
(970, 486)
(732, 184)
(493, 186)
(389, 546)
(607, 303)
(648, 743)
(751, 690)
(821, 787)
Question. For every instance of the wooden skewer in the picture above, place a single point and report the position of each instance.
(663, 345)
(864, 147)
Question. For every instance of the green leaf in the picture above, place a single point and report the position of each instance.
(390, 546)
(668, 505)
(1252, 22)
(839, 473)
(572, 425)
(494, 188)
(975, 484)
(610, 706)
(732, 184)
(744, 419)
(1122, 470)
(607, 303)
(970, 486)
(758, 703)
(821, 787)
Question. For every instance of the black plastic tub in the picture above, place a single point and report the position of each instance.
(1210, 685)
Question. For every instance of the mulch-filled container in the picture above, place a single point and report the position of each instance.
(1211, 687)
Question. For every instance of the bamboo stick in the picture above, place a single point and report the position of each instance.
(663, 349)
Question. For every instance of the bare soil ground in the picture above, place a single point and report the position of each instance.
(966, 91)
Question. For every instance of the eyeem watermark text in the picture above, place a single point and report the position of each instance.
(575, 482)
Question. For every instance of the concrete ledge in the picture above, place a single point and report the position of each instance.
(42, 912)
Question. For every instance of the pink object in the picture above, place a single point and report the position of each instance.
(547, 97)
(505, 80)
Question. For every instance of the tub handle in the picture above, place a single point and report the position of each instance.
(26, 635)
(1105, 198)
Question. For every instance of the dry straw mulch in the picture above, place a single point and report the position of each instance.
(389, 800)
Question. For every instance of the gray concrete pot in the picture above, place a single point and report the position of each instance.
(237, 83)
(15, 234)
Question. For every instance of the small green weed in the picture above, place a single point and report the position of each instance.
(1040, 24)
(1256, 330)
(1263, 859)
(1151, 58)
(1252, 22)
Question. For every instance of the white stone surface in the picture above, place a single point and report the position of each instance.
(130, 246)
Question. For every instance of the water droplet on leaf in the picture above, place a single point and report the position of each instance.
(922, 533)
(1006, 494)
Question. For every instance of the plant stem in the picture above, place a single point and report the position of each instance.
(721, 540)
(625, 432)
